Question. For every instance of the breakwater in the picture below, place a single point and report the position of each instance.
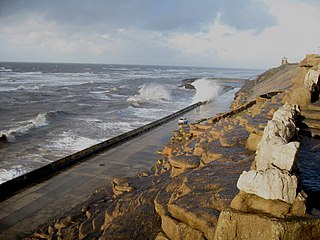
(10, 187)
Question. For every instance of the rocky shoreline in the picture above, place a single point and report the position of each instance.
(238, 175)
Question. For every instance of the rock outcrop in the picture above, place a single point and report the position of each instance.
(269, 200)
(306, 84)
(271, 176)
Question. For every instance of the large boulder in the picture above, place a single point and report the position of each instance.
(251, 226)
(275, 152)
(311, 79)
(247, 202)
(176, 230)
(271, 183)
(275, 148)
(300, 96)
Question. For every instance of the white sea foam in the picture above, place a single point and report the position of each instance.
(15, 171)
(4, 69)
(151, 92)
(227, 96)
(206, 90)
(40, 120)
(70, 141)
(100, 95)
(145, 113)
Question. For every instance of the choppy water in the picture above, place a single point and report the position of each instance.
(48, 110)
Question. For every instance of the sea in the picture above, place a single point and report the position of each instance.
(51, 110)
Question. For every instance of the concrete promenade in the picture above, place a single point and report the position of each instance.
(49, 199)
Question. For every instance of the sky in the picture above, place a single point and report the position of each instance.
(211, 33)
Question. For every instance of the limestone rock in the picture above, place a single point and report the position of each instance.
(121, 185)
(271, 183)
(311, 79)
(275, 152)
(198, 150)
(85, 229)
(98, 221)
(238, 225)
(300, 96)
(176, 171)
(210, 155)
(202, 220)
(176, 230)
(252, 203)
(167, 150)
(252, 141)
(62, 223)
(161, 236)
(184, 161)
(275, 148)
(195, 131)
(309, 61)
(203, 126)
(299, 205)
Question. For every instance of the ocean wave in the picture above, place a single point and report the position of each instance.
(4, 69)
(151, 92)
(15, 171)
(69, 141)
(206, 90)
(41, 120)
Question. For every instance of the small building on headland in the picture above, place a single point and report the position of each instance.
(284, 61)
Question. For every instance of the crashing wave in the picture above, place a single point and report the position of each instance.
(151, 92)
(41, 120)
(206, 90)
(4, 69)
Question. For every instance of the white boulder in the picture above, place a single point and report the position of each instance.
(311, 79)
(271, 183)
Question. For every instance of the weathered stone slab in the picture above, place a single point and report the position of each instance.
(247, 202)
(176, 230)
(239, 225)
(271, 183)
(184, 161)
(202, 219)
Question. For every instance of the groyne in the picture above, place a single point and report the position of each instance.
(13, 185)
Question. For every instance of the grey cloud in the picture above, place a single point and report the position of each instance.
(247, 15)
(158, 15)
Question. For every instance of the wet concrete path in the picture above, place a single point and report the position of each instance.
(47, 200)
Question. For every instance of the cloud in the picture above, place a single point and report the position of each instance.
(222, 44)
(164, 15)
(240, 33)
